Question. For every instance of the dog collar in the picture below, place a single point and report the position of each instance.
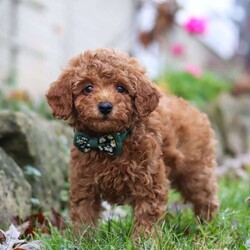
(111, 144)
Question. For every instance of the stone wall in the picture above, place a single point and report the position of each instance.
(34, 157)
(230, 117)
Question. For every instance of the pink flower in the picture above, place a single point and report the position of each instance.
(193, 70)
(177, 49)
(196, 25)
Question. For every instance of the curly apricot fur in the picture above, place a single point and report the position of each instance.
(170, 142)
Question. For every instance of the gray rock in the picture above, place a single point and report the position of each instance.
(15, 191)
(33, 141)
(231, 117)
(237, 167)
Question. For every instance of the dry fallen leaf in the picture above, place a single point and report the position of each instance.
(33, 245)
(38, 223)
(2, 237)
(10, 240)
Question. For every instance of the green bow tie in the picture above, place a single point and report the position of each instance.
(111, 144)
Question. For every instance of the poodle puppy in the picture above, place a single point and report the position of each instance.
(132, 141)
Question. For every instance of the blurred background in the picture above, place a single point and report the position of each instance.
(38, 37)
(199, 50)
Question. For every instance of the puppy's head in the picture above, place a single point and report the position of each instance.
(104, 91)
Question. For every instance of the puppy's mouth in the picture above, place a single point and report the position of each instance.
(106, 124)
(105, 118)
(107, 121)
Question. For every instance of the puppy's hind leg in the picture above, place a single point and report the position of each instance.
(199, 187)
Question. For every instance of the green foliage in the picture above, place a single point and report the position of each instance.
(24, 104)
(229, 230)
(198, 90)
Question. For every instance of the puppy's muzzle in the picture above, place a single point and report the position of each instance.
(105, 107)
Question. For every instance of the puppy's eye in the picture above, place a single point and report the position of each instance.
(121, 89)
(88, 89)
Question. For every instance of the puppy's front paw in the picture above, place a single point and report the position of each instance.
(206, 212)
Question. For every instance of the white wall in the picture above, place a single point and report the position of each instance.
(48, 33)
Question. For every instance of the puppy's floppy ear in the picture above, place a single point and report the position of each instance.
(60, 98)
(147, 96)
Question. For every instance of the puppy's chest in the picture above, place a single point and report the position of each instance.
(114, 182)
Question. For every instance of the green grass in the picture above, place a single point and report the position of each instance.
(198, 90)
(229, 230)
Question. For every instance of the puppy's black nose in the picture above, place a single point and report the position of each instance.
(105, 107)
